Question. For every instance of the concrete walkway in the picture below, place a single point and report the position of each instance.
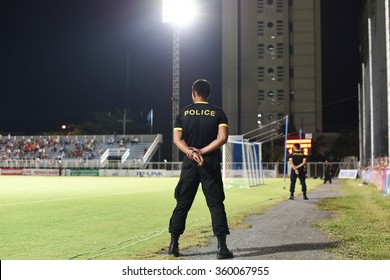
(285, 232)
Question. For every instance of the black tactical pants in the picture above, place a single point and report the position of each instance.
(209, 175)
(302, 179)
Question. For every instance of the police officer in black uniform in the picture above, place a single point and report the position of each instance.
(199, 132)
(297, 161)
(328, 172)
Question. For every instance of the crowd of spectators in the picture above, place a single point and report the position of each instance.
(378, 164)
(62, 151)
(46, 147)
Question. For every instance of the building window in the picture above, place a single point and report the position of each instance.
(271, 29)
(279, 6)
(271, 73)
(260, 97)
(271, 94)
(260, 119)
(260, 28)
(271, 48)
(280, 73)
(280, 50)
(279, 27)
(260, 51)
(260, 74)
(260, 6)
(270, 2)
(280, 96)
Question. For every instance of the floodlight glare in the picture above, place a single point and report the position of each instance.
(179, 12)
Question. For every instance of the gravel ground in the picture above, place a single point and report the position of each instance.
(285, 232)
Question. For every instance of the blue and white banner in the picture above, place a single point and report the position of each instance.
(348, 173)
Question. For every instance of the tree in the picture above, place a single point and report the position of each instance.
(346, 144)
(112, 123)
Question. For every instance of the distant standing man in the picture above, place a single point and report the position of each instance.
(328, 172)
(200, 130)
(297, 161)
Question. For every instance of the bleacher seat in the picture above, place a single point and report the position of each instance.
(76, 148)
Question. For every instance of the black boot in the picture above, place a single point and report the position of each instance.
(223, 251)
(174, 245)
(291, 196)
(304, 196)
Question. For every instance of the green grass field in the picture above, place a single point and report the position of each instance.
(111, 218)
(361, 221)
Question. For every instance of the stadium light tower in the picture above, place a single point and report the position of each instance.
(178, 13)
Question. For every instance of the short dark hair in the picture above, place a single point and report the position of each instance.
(202, 88)
(297, 146)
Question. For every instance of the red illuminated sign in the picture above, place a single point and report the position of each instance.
(304, 143)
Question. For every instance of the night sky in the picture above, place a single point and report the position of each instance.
(340, 63)
(61, 60)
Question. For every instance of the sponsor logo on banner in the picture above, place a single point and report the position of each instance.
(348, 173)
(11, 171)
(41, 172)
(387, 182)
(133, 173)
(84, 172)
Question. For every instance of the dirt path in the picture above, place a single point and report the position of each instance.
(285, 232)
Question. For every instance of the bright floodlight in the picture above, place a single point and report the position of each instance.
(178, 12)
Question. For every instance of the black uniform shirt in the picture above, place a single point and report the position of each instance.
(199, 123)
(297, 157)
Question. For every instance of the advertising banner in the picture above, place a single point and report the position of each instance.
(42, 172)
(133, 172)
(83, 172)
(348, 173)
(11, 171)
(386, 187)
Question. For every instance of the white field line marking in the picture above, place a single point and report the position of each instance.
(144, 237)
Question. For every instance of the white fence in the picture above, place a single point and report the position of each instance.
(270, 169)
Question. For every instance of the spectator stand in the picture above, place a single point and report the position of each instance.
(77, 151)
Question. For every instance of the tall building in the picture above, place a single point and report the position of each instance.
(271, 63)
